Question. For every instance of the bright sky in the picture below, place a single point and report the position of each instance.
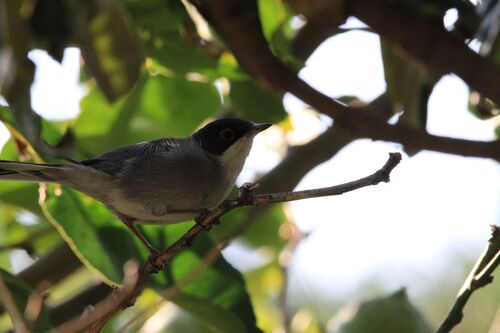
(435, 208)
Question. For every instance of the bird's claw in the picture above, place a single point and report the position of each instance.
(152, 266)
(203, 215)
(245, 192)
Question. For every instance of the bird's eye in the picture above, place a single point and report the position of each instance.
(227, 134)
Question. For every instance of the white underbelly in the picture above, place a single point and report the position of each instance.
(142, 215)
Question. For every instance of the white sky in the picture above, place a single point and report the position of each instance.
(436, 206)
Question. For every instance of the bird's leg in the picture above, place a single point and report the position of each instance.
(129, 222)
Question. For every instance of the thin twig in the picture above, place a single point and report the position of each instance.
(246, 198)
(285, 258)
(10, 306)
(479, 276)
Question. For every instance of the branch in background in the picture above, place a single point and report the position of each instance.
(73, 306)
(27, 243)
(51, 268)
(7, 301)
(206, 221)
(429, 43)
(96, 318)
(242, 32)
(285, 258)
(480, 276)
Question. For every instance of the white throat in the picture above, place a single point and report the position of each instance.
(233, 159)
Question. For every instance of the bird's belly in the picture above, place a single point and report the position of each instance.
(144, 215)
(164, 210)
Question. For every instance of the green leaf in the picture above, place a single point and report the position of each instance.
(90, 230)
(159, 106)
(260, 230)
(273, 14)
(215, 317)
(390, 314)
(110, 46)
(20, 293)
(163, 26)
(104, 245)
(252, 102)
(409, 87)
(264, 231)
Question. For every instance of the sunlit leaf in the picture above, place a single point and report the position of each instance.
(110, 46)
(104, 244)
(159, 106)
(252, 102)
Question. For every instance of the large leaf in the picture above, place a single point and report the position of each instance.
(252, 102)
(409, 87)
(104, 244)
(21, 194)
(159, 106)
(259, 229)
(20, 293)
(391, 314)
(109, 44)
(164, 26)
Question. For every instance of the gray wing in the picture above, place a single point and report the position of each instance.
(163, 176)
(181, 178)
(113, 161)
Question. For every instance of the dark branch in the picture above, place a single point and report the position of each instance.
(242, 32)
(480, 276)
(247, 198)
(427, 41)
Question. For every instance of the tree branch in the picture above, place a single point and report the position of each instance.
(7, 301)
(96, 318)
(429, 43)
(241, 30)
(247, 198)
(480, 276)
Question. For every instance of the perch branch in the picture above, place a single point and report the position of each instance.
(247, 198)
(480, 276)
(243, 34)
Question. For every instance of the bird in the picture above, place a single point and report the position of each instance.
(163, 181)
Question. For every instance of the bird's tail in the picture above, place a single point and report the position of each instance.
(29, 172)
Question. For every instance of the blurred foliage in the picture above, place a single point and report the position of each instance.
(391, 314)
(153, 69)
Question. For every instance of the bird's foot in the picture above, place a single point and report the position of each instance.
(152, 266)
(201, 218)
(245, 192)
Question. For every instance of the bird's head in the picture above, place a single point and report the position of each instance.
(229, 139)
(222, 134)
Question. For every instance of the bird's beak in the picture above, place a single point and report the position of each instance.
(257, 128)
